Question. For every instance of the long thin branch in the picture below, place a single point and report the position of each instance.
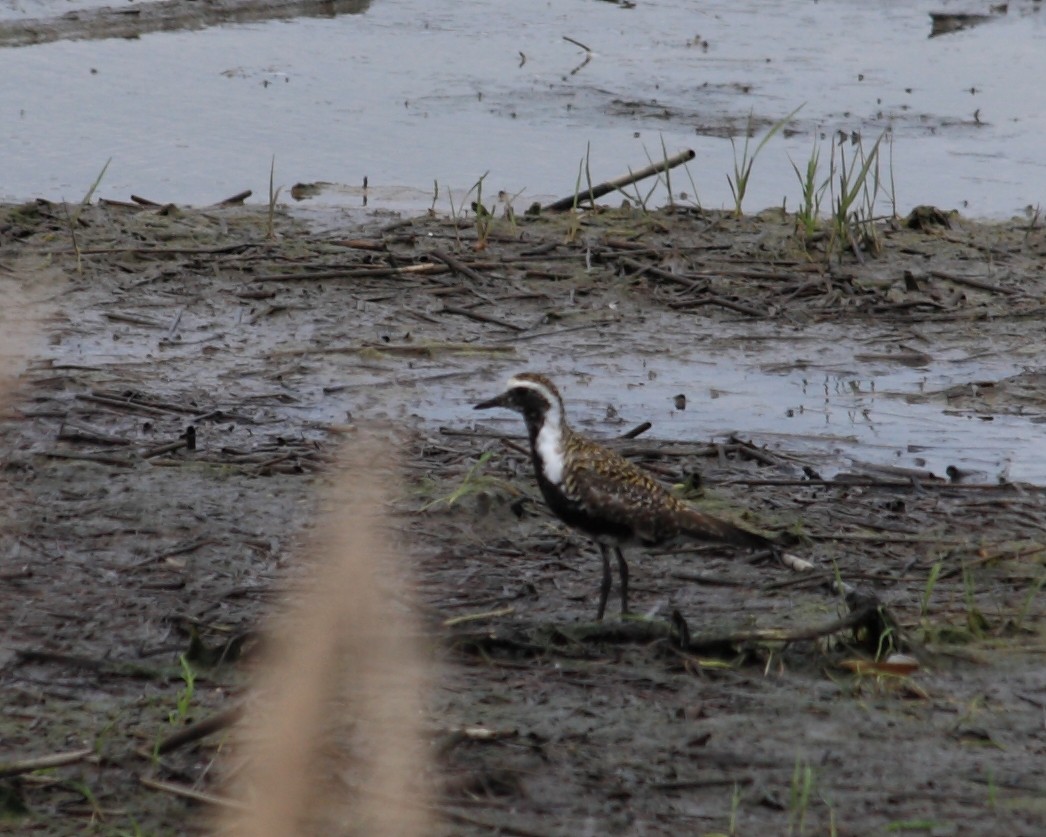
(609, 186)
(28, 765)
(201, 729)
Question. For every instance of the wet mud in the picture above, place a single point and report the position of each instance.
(189, 376)
(163, 16)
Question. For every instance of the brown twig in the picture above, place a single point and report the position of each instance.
(457, 266)
(201, 729)
(73, 432)
(162, 449)
(235, 200)
(609, 186)
(478, 317)
(149, 404)
(555, 332)
(186, 792)
(638, 430)
(970, 282)
(422, 269)
(722, 302)
(28, 765)
(98, 458)
(660, 272)
(112, 668)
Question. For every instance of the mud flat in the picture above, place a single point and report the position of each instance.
(188, 376)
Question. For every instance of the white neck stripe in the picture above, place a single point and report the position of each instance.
(549, 444)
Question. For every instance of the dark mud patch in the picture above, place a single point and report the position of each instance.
(196, 371)
(1017, 394)
(164, 16)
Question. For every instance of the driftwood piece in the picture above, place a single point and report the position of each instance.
(609, 186)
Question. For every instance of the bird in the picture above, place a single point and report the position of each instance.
(600, 493)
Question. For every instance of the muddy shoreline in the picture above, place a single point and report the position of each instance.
(122, 549)
(163, 16)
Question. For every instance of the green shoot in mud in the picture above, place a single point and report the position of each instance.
(885, 644)
(664, 177)
(574, 225)
(103, 737)
(473, 483)
(588, 173)
(510, 207)
(696, 200)
(638, 198)
(743, 166)
(183, 702)
(799, 797)
(913, 825)
(185, 696)
(1022, 614)
(668, 172)
(854, 185)
(97, 182)
(735, 806)
(993, 787)
(72, 219)
(274, 193)
(975, 620)
(641, 200)
(81, 787)
(808, 217)
(893, 183)
(931, 582)
(853, 205)
(484, 218)
(453, 214)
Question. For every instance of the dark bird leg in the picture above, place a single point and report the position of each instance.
(604, 588)
(622, 569)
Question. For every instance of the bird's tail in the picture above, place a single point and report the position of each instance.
(704, 527)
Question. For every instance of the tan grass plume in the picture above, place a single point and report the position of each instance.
(333, 737)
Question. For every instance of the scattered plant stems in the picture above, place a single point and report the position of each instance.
(809, 215)
(743, 166)
(853, 204)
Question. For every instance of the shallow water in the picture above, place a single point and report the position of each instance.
(827, 417)
(802, 394)
(407, 94)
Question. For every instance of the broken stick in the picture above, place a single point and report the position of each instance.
(611, 185)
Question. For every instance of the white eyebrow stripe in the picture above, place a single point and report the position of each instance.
(534, 385)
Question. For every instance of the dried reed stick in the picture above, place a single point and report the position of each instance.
(342, 645)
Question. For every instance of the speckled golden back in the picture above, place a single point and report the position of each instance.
(598, 478)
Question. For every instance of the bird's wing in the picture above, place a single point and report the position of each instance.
(624, 493)
(629, 495)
